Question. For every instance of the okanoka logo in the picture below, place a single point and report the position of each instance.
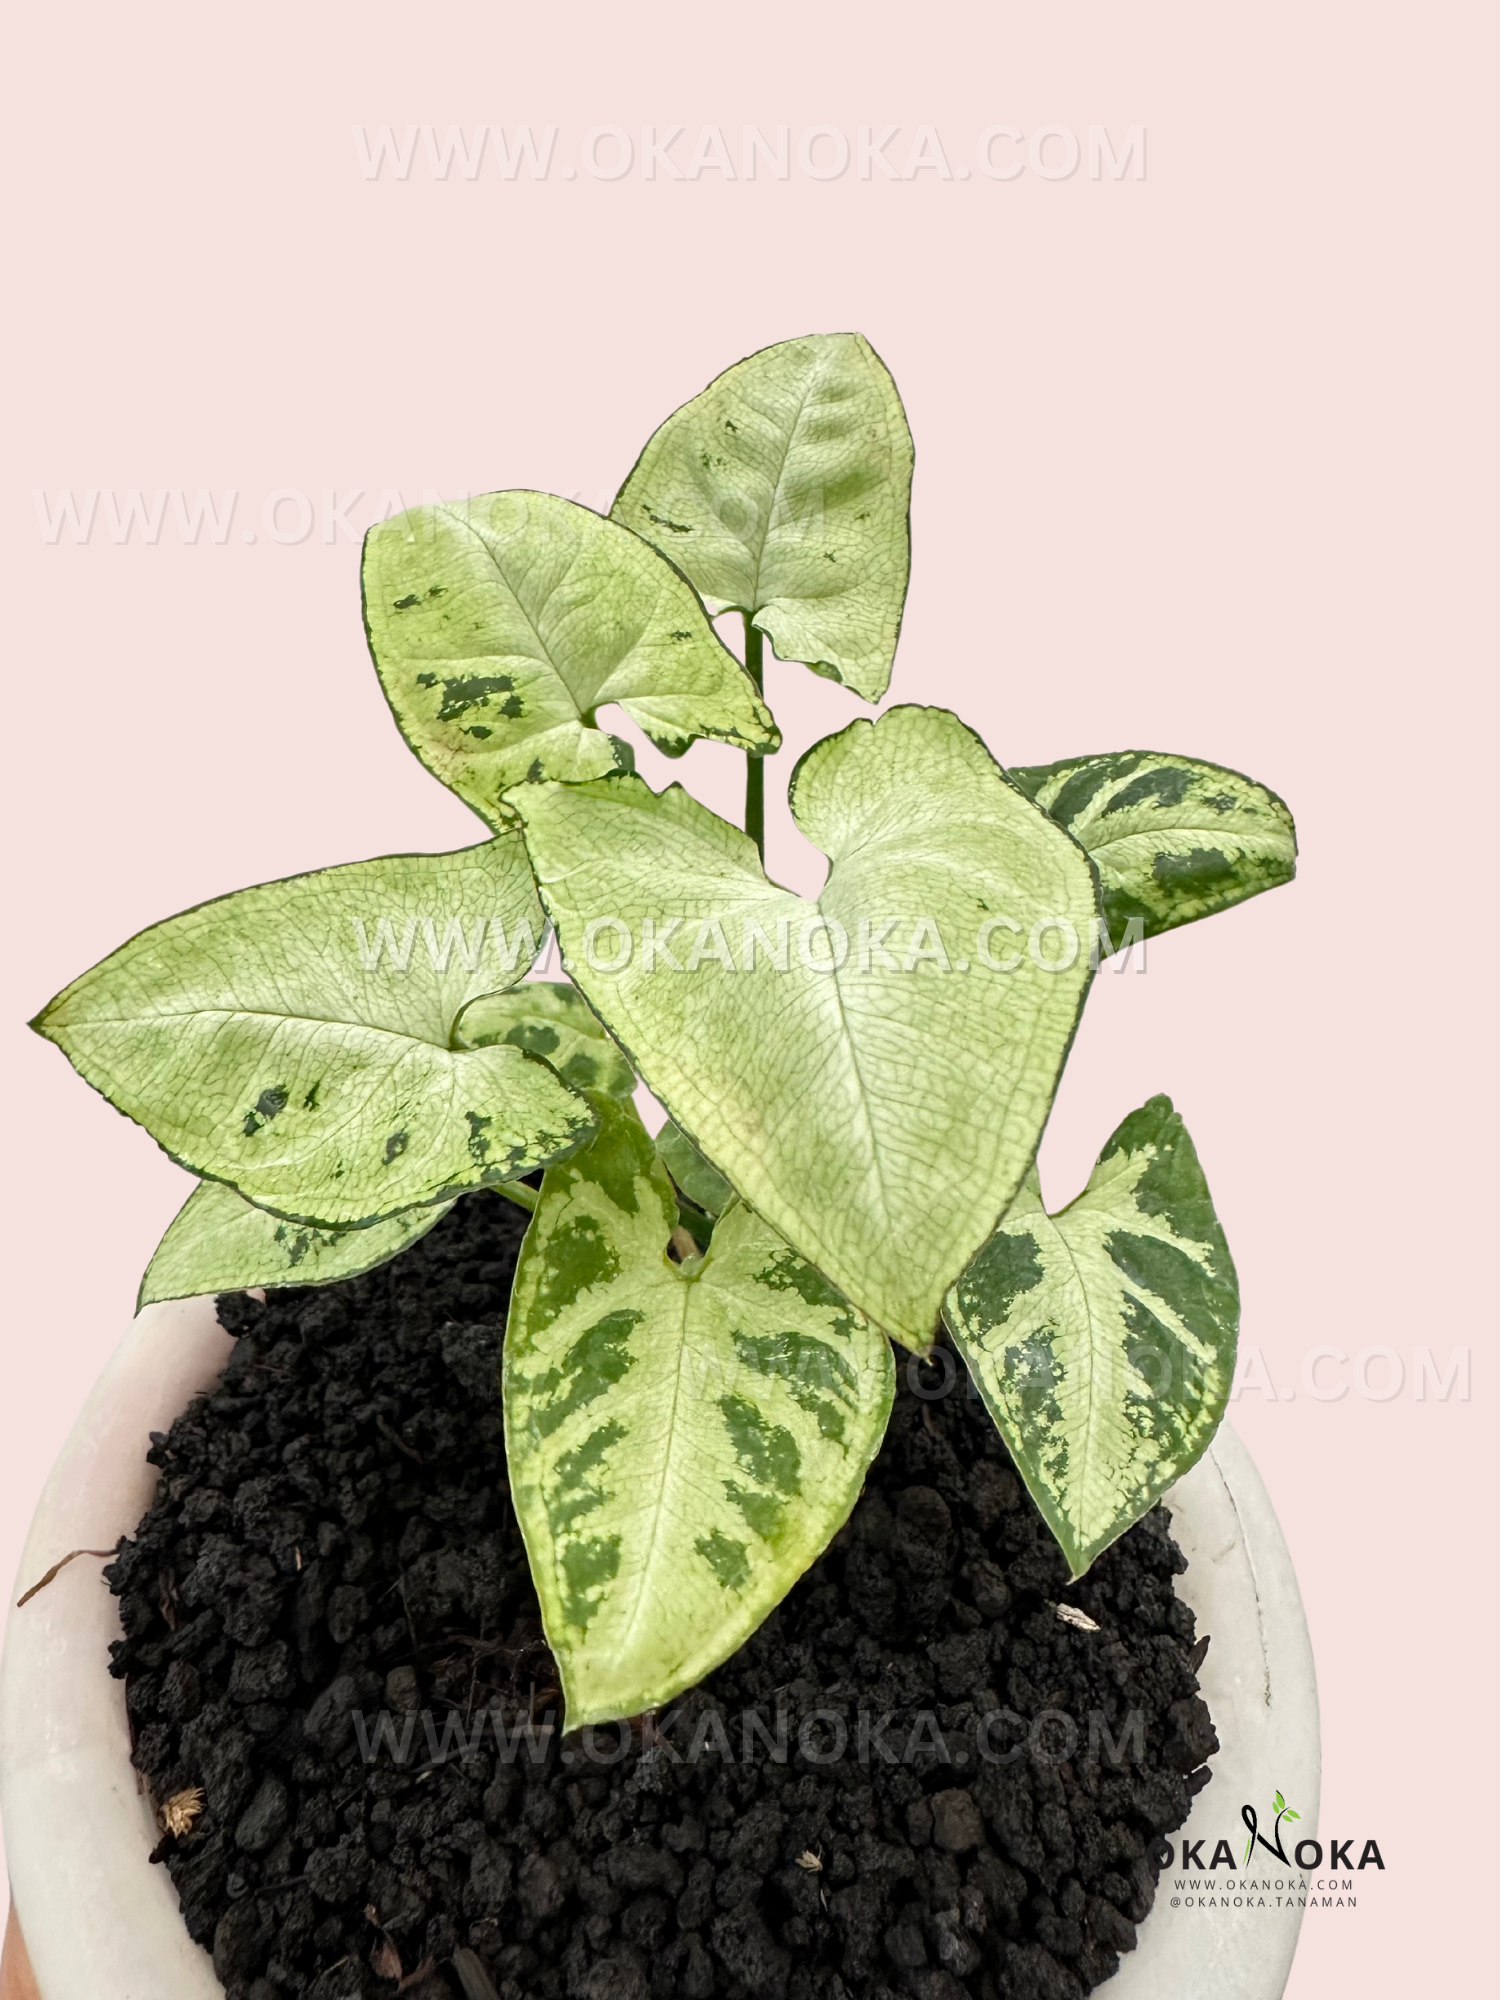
(1258, 1839)
(1300, 1857)
(1307, 1853)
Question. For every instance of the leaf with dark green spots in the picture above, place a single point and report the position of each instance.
(219, 1242)
(295, 1040)
(784, 490)
(877, 1100)
(1173, 839)
(500, 624)
(684, 1439)
(1103, 1338)
(701, 1183)
(555, 1023)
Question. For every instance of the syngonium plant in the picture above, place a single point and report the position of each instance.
(698, 1363)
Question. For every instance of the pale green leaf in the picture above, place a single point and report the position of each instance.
(683, 1439)
(219, 1242)
(700, 1182)
(1173, 838)
(1103, 1338)
(500, 624)
(881, 1116)
(784, 490)
(294, 1039)
(555, 1022)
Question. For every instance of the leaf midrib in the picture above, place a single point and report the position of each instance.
(265, 1014)
(1225, 829)
(642, 1592)
(543, 652)
(1102, 1221)
(814, 376)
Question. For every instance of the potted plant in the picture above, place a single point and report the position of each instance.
(708, 1330)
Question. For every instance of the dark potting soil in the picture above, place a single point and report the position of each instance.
(332, 1538)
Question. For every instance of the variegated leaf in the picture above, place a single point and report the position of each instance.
(700, 1182)
(683, 1439)
(1103, 1338)
(555, 1022)
(881, 1114)
(784, 490)
(1174, 839)
(500, 624)
(295, 1039)
(219, 1242)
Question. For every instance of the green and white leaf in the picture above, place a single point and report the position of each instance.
(219, 1242)
(683, 1439)
(881, 1117)
(1174, 839)
(701, 1183)
(1103, 1338)
(500, 624)
(554, 1022)
(294, 1039)
(784, 490)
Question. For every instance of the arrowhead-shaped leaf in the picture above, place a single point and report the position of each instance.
(683, 1439)
(294, 1039)
(1102, 1338)
(555, 1022)
(880, 1116)
(1173, 839)
(700, 1182)
(784, 490)
(499, 624)
(219, 1242)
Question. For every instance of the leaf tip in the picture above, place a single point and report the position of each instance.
(42, 1022)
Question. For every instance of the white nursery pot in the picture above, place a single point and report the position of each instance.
(1262, 1692)
(101, 1924)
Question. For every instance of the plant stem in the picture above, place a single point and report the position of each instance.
(755, 767)
(698, 1225)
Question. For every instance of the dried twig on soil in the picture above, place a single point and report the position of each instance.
(57, 1568)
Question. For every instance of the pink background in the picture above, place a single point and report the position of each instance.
(1204, 463)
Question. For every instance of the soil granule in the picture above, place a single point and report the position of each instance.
(332, 1538)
